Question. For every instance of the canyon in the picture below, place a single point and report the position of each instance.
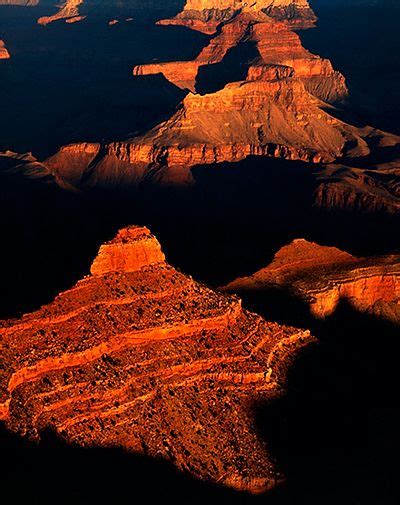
(243, 350)
(322, 277)
(140, 356)
(282, 106)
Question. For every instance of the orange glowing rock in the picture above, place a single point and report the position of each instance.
(137, 352)
(207, 15)
(324, 276)
(4, 54)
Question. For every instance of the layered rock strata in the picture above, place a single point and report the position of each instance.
(323, 277)
(140, 356)
(277, 45)
(275, 118)
(207, 15)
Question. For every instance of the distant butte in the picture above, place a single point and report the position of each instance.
(323, 276)
(140, 356)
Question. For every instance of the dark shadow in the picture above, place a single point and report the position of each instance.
(68, 83)
(335, 434)
(230, 223)
(232, 68)
(362, 40)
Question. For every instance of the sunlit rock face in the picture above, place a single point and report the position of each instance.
(140, 356)
(69, 11)
(323, 277)
(275, 118)
(207, 15)
(4, 54)
(275, 43)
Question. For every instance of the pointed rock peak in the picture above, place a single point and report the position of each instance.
(132, 249)
(303, 253)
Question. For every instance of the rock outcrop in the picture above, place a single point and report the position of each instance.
(372, 190)
(69, 11)
(4, 54)
(140, 356)
(207, 15)
(276, 118)
(322, 277)
(276, 44)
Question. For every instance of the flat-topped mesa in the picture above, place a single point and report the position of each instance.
(207, 15)
(132, 249)
(4, 54)
(69, 11)
(322, 277)
(149, 360)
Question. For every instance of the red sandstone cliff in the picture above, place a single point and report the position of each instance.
(140, 356)
(207, 15)
(324, 276)
(264, 117)
(276, 44)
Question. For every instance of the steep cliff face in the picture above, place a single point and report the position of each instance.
(69, 11)
(207, 15)
(324, 276)
(275, 43)
(140, 356)
(4, 54)
(276, 118)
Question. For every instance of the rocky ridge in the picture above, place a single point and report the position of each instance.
(322, 277)
(207, 15)
(140, 356)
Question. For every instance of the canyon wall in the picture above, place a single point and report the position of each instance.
(207, 15)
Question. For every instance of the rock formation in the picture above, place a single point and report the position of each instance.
(279, 49)
(322, 277)
(69, 11)
(207, 15)
(140, 356)
(275, 117)
(4, 54)
(279, 110)
(370, 190)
